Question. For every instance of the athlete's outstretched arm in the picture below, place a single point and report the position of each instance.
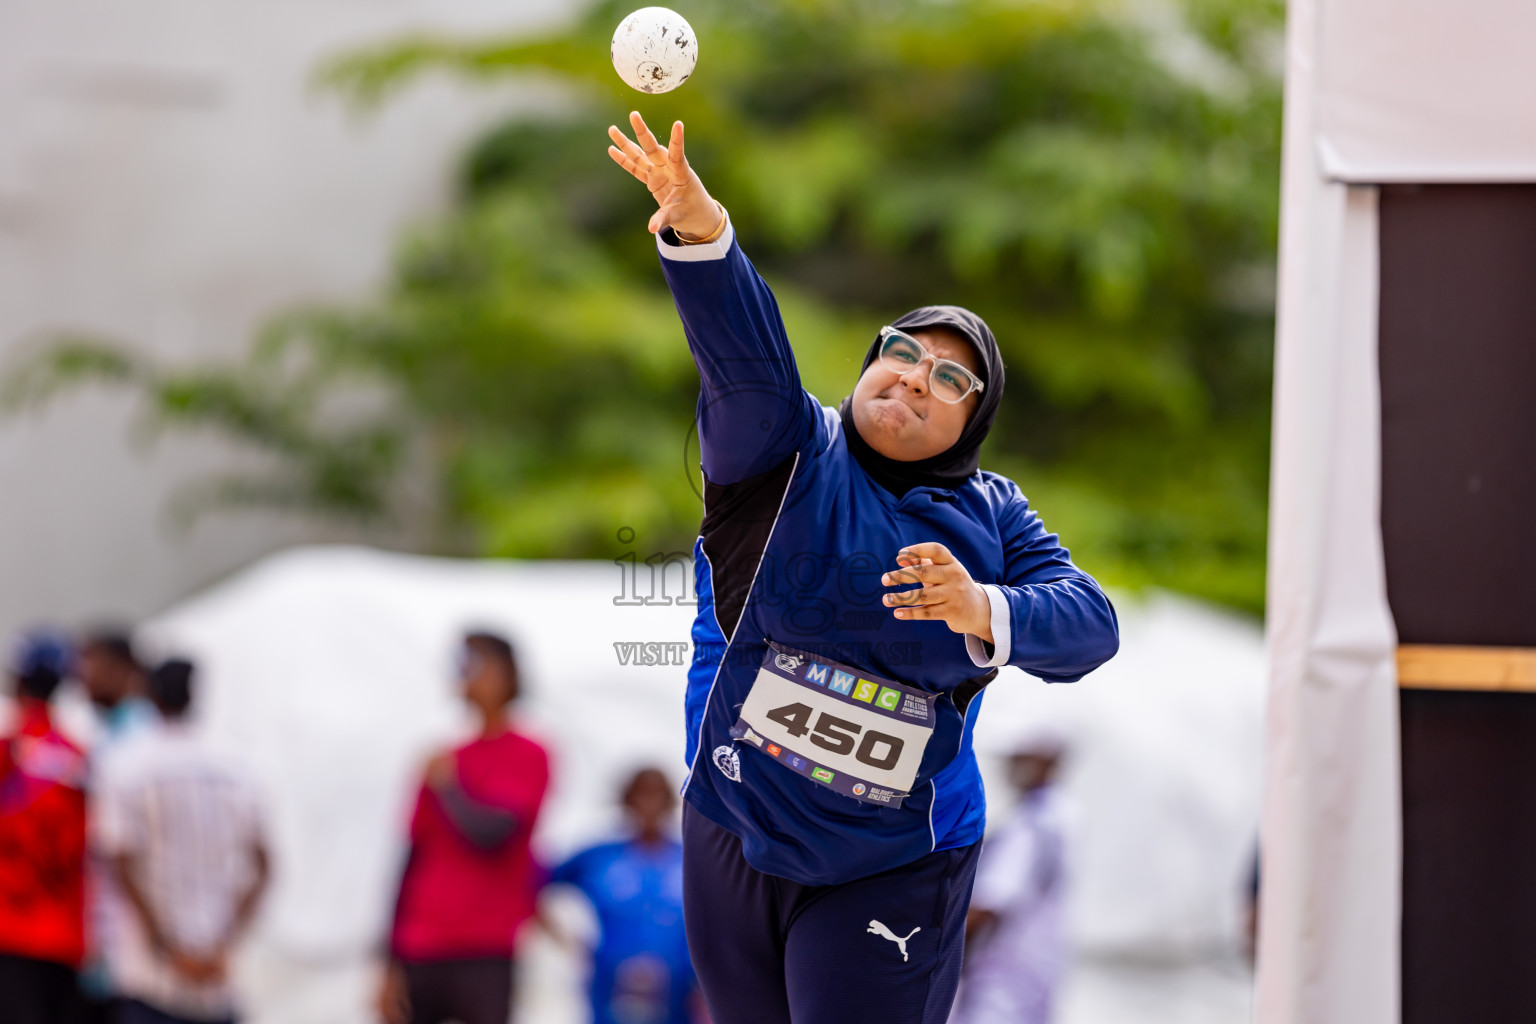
(753, 413)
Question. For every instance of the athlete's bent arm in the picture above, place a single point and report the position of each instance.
(1048, 618)
(753, 412)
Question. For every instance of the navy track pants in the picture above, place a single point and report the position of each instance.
(885, 949)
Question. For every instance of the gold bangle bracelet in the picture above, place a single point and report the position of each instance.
(713, 235)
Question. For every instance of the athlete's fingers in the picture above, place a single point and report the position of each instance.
(639, 165)
(926, 573)
(930, 549)
(629, 165)
(920, 612)
(633, 159)
(931, 595)
(675, 149)
(625, 143)
(910, 572)
(644, 137)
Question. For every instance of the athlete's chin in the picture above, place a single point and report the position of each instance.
(890, 443)
(892, 429)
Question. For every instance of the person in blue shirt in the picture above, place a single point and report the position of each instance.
(641, 972)
(860, 580)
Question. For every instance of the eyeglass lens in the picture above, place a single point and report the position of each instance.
(949, 381)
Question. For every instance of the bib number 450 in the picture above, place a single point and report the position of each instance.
(839, 735)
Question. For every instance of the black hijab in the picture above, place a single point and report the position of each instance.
(951, 468)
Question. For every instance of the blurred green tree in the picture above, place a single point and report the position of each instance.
(1099, 182)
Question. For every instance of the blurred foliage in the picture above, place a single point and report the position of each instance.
(1100, 183)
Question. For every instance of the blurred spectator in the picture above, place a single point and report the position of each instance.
(469, 882)
(1015, 944)
(181, 827)
(110, 671)
(42, 846)
(641, 973)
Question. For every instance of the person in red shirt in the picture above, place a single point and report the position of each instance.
(470, 880)
(42, 846)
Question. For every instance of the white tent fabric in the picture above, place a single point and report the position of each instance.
(1332, 822)
(330, 670)
(1420, 90)
(1377, 91)
(1328, 945)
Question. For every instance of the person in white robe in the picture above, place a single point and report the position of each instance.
(1016, 948)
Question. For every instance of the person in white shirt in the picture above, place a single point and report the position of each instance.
(1016, 950)
(181, 826)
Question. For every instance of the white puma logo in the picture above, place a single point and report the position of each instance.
(876, 928)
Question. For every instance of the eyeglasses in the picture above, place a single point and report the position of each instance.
(948, 381)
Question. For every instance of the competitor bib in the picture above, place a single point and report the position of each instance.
(858, 734)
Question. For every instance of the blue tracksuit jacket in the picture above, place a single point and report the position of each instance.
(794, 540)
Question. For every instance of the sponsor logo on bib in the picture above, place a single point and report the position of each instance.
(787, 662)
(859, 789)
(821, 775)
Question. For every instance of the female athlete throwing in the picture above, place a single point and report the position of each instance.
(860, 580)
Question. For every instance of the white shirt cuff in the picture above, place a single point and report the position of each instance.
(715, 250)
(1002, 636)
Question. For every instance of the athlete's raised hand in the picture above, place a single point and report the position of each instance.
(684, 204)
(948, 593)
